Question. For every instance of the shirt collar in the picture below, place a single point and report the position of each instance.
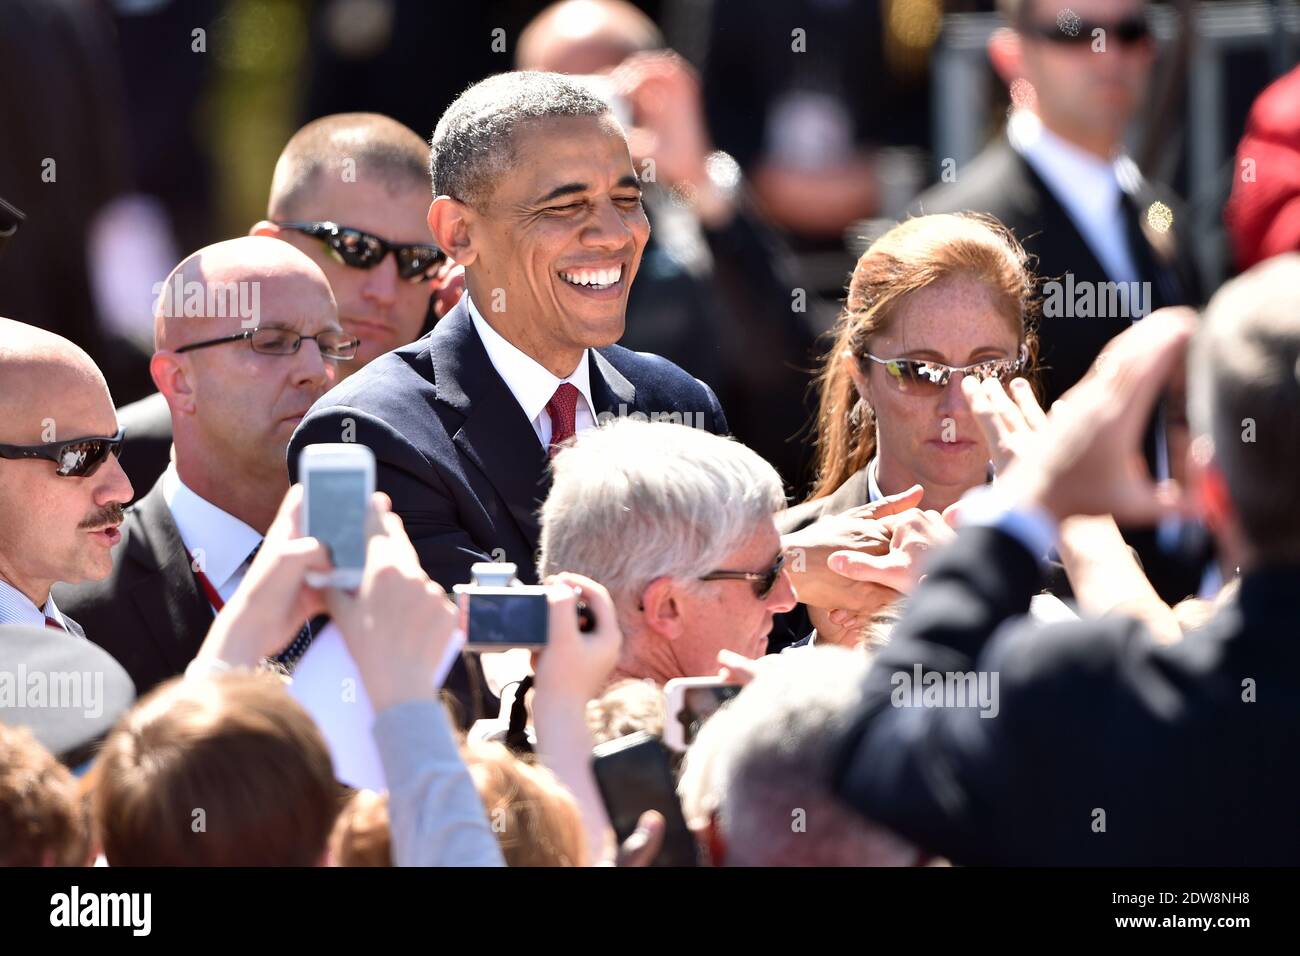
(532, 384)
(17, 608)
(224, 540)
(1085, 184)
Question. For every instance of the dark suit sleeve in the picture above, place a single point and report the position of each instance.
(974, 783)
(428, 508)
(719, 419)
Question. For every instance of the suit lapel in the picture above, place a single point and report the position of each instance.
(611, 392)
(164, 591)
(495, 436)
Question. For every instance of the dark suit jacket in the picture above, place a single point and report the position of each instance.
(147, 448)
(455, 453)
(149, 613)
(1188, 750)
(999, 181)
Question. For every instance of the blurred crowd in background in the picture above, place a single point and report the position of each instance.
(169, 117)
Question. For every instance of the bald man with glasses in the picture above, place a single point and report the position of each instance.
(61, 487)
(247, 337)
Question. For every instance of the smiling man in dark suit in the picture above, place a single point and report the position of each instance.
(536, 195)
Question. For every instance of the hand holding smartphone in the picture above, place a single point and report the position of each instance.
(338, 481)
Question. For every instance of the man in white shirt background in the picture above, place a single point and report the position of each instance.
(1106, 240)
(237, 381)
(61, 487)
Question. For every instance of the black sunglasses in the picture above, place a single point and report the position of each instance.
(78, 458)
(273, 341)
(764, 581)
(416, 261)
(1075, 32)
(915, 376)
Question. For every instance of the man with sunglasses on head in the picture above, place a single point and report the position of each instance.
(1110, 245)
(61, 487)
(237, 382)
(351, 191)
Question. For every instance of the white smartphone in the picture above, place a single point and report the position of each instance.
(337, 482)
(688, 703)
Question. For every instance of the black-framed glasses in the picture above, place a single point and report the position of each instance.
(764, 581)
(416, 261)
(1128, 31)
(920, 377)
(76, 458)
(272, 341)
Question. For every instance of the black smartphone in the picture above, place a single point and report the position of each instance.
(634, 774)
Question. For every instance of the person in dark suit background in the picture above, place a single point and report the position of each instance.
(235, 394)
(1059, 179)
(535, 194)
(361, 171)
(1101, 746)
(1109, 245)
(61, 487)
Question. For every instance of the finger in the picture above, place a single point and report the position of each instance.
(641, 848)
(285, 523)
(952, 515)
(1134, 368)
(1010, 418)
(889, 569)
(891, 504)
(1023, 394)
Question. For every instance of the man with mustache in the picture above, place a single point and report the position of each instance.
(61, 488)
(237, 385)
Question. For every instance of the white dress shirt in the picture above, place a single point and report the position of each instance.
(1086, 185)
(531, 383)
(219, 543)
(17, 608)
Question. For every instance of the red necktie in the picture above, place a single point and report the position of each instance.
(562, 408)
(50, 622)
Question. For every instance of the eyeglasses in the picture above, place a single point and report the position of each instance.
(78, 458)
(416, 261)
(272, 341)
(917, 377)
(764, 581)
(1074, 32)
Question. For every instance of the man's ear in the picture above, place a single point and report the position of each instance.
(450, 222)
(170, 375)
(264, 227)
(661, 608)
(1006, 50)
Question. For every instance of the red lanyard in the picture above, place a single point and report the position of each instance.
(213, 597)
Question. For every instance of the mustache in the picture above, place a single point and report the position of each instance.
(106, 517)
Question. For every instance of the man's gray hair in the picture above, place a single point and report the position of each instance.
(474, 142)
(763, 763)
(637, 500)
(1244, 393)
